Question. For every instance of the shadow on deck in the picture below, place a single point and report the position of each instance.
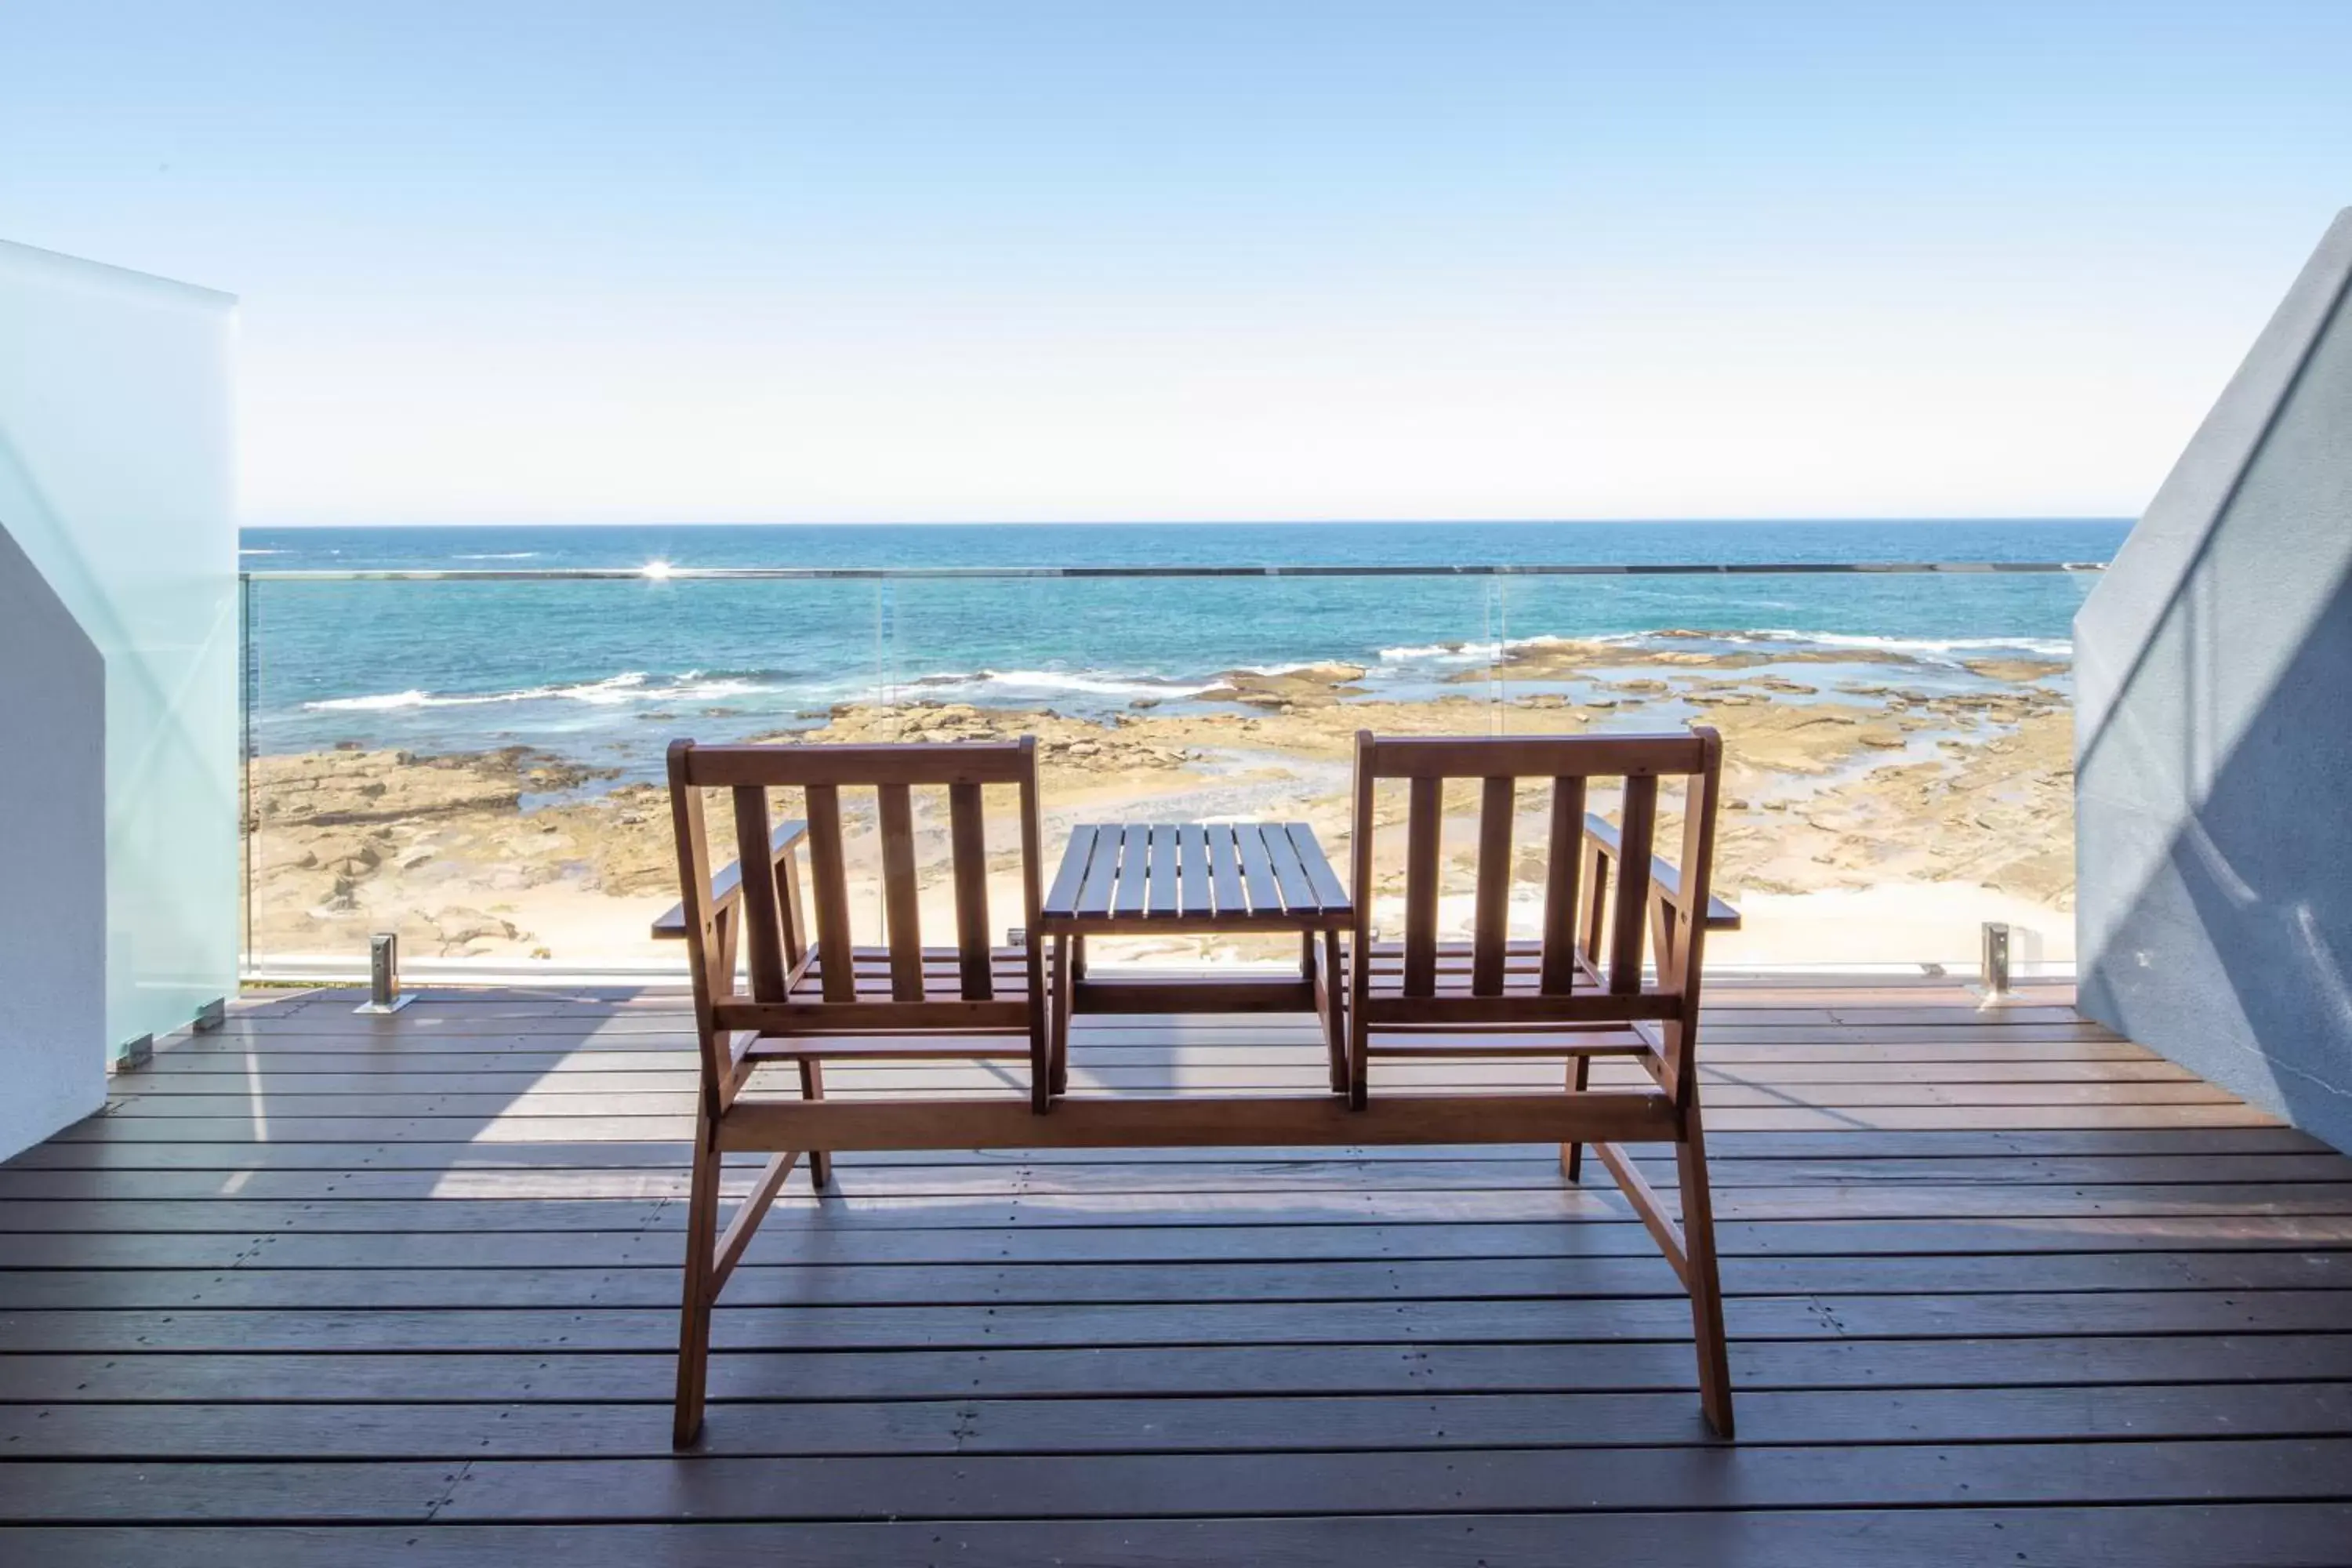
(2004, 1287)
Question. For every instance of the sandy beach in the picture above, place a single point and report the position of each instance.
(1866, 821)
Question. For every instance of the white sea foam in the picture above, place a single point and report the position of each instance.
(508, 555)
(2049, 647)
(1092, 684)
(1439, 653)
(628, 687)
(379, 702)
(1467, 652)
(710, 690)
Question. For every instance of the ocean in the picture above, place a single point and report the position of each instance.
(606, 672)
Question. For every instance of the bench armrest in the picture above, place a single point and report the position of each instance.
(728, 884)
(1664, 878)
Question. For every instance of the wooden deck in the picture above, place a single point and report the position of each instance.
(325, 1290)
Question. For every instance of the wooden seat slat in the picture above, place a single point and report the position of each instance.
(1405, 1045)
(854, 1048)
(874, 976)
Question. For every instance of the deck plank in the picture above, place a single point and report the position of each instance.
(2274, 1535)
(321, 1287)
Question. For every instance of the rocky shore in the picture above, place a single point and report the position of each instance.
(1961, 798)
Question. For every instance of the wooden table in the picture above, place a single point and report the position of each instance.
(1197, 878)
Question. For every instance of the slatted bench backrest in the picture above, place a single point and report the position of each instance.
(773, 939)
(1590, 971)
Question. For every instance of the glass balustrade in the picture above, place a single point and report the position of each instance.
(476, 762)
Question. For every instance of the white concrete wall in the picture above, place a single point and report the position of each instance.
(2213, 668)
(52, 860)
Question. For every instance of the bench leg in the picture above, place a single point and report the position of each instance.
(1058, 1014)
(1705, 1287)
(1333, 996)
(812, 1088)
(1571, 1156)
(694, 1316)
(1360, 1042)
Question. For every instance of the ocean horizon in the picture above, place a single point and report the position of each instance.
(605, 671)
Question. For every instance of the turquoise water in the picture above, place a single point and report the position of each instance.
(608, 670)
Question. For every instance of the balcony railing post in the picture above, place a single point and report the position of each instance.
(1993, 968)
(384, 975)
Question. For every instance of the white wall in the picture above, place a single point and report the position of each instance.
(2213, 734)
(115, 485)
(52, 860)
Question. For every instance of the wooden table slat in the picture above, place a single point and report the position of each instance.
(1257, 868)
(1326, 882)
(1225, 870)
(1298, 892)
(1102, 872)
(1134, 869)
(1063, 898)
(1162, 899)
(1192, 842)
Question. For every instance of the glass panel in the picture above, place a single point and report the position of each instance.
(1898, 744)
(477, 765)
(115, 480)
(1189, 698)
(1898, 747)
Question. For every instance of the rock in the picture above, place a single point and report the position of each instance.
(1314, 685)
(458, 926)
(2019, 670)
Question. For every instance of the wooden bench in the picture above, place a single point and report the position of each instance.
(1582, 990)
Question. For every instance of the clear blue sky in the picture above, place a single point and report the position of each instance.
(510, 262)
